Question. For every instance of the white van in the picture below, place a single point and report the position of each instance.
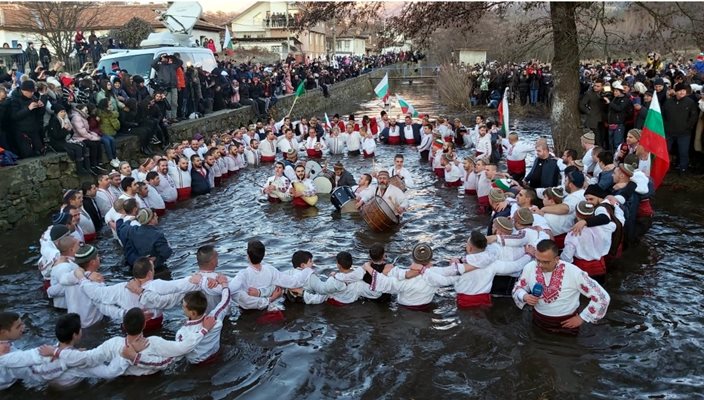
(139, 61)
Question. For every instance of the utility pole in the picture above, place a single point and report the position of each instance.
(334, 37)
(288, 33)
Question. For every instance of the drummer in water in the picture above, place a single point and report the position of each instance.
(393, 196)
(277, 186)
(364, 191)
(399, 170)
(309, 188)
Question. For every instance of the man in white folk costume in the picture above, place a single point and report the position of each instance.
(277, 186)
(392, 195)
(301, 188)
(553, 287)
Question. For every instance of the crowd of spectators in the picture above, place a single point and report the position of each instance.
(48, 109)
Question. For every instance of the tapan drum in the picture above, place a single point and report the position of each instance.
(344, 199)
(323, 182)
(379, 215)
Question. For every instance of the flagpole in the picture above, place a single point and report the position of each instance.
(292, 105)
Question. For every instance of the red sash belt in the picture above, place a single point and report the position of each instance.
(368, 155)
(153, 324)
(411, 141)
(592, 267)
(218, 180)
(440, 173)
(170, 204)
(271, 317)
(470, 192)
(210, 360)
(90, 237)
(449, 139)
(335, 303)
(160, 211)
(274, 199)
(553, 324)
(483, 201)
(420, 307)
(268, 158)
(516, 167)
(313, 153)
(645, 209)
(456, 183)
(473, 300)
(395, 140)
(183, 193)
(299, 202)
(46, 285)
(560, 240)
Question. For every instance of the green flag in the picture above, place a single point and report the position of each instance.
(300, 89)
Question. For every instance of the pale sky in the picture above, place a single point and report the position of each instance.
(215, 5)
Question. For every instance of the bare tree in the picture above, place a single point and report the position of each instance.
(56, 22)
(132, 33)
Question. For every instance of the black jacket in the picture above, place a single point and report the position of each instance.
(57, 134)
(346, 179)
(199, 183)
(620, 109)
(594, 107)
(92, 210)
(549, 177)
(642, 114)
(680, 116)
(25, 120)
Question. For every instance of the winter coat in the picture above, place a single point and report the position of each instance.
(23, 119)
(81, 128)
(109, 122)
(167, 72)
(680, 116)
(620, 110)
(594, 107)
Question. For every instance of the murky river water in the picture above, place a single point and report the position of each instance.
(649, 344)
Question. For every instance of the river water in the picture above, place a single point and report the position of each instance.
(649, 344)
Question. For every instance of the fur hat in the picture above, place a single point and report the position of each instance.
(627, 169)
(61, 218)
(595, 190)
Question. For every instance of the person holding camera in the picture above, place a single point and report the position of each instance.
(165, 67)
(27, 112)
(620, 108)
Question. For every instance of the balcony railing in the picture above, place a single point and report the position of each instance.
(278, 21)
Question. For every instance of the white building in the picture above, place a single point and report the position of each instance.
(269, 25)
(351, 45)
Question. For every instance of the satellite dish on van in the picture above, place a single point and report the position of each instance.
(181, 16)
(179, 19)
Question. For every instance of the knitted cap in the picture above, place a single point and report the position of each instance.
(422, 253)
(497, 195)
(504, 223)
(383, 172)
(144, 216)
(579, 164)
(85, 253)
(627, 169)
(589, 137)
(503, 184)
(338, 165)
(57, 232)
(523, 216)
(585, 209)
(61, 218)
(596, 191)
(555, 192)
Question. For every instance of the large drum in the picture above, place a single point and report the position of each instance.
(398, 182)
(343, 199)
(379, 215)
(313, 169)
(324, 181)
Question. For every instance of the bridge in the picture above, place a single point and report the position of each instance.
(413, 73)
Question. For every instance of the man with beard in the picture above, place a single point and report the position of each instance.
(364, 190)
(342, 176)
(277, 186)
(392, 195)
(392, 133)
(252, 154)
(200, 177)
(305, 189)
(182, 178)
(166, 187)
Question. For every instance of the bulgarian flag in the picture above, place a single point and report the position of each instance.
(652, 138)
(382, 89)
(406, 107)
(503, 112)
(227, 43)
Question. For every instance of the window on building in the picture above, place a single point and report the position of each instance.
(346, 44)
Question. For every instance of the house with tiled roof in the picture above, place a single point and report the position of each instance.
(14, 17)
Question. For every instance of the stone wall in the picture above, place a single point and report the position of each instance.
(32, 190)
